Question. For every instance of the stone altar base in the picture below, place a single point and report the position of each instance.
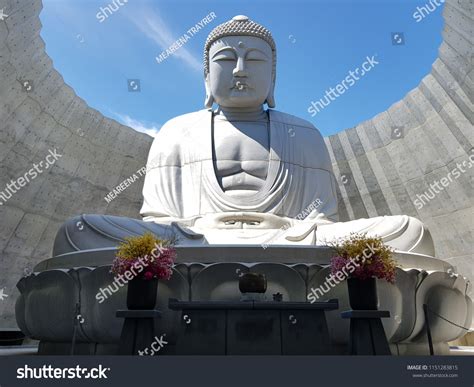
(46, 309)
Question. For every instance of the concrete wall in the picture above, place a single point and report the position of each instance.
(98, 153)
(389, 160)
(383, 175)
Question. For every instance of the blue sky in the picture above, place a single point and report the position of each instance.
(318, 43)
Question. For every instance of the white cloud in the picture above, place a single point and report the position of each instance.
(154, 27)
(151, 129)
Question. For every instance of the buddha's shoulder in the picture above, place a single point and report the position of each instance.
(185, 121)
(290, 119)
(307, 139)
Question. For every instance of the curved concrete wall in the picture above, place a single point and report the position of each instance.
(98, 153)
(382, 175)
(387, 161)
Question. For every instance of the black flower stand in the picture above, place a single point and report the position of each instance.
(367, 336)
(138, 331)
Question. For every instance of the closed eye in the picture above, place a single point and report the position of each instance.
(224, 55)
(221, 58)
(256, 56)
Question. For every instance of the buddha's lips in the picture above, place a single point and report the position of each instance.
(239, 85)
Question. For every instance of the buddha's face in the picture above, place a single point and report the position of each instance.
(240, 71)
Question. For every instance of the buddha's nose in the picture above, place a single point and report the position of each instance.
(239, 70)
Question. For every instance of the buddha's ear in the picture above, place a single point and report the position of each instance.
(271, 96)
(209, 97)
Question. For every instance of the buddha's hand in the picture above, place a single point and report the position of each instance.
(299, 231)
(241, 220)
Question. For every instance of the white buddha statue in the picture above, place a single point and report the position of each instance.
(237, 172)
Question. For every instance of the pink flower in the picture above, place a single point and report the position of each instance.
(375, 268)
(160, 266)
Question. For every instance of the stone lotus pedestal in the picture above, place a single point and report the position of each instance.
(45, 310)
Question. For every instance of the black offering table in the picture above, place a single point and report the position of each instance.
(253, 327)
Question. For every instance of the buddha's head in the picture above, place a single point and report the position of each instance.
(240, 65)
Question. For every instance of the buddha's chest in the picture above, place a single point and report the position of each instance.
(241, 148)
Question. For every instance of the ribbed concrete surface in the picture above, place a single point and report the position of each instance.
(385, 173)
(98, 153)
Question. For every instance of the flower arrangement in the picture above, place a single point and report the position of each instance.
(365, 257)
(145, 256)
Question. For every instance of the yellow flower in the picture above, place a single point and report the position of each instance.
(139, 246)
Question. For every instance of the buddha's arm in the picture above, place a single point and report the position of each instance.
(162, 185)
